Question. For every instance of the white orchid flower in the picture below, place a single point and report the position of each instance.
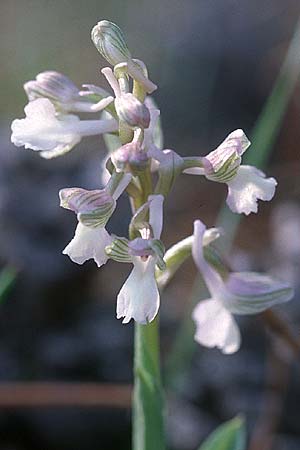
(93, 209)
(241, 293)
(43, 130)
(139, 297)
(246, 184)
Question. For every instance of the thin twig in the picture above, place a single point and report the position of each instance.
(45, 394)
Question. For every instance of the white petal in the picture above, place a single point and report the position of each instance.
(109, 75)
(42, 130)
(153, 134)
(88, 243)
(211, 277)
(156, 214)
(216, 327)
(40, 109)
(104, 173)
(59, 150)
(54, 135)
(125, 180)
(247, 187)
(139, 296)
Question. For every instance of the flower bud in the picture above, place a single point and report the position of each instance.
(129, 158)
(132, 111)
(110, 43)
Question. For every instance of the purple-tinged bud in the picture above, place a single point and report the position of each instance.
(130, 158)
(132, 111)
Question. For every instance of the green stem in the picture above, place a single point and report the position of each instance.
(148, 403)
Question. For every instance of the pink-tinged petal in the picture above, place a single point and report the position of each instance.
(251, 293)
(53, 85)
(235, 143)
(247, 187)
(82, 200)
(88, 243)
(216, 327)
(156, 214)
(139, 297)
(212, 279)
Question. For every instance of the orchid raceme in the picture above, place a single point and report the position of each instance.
(240, 293)
(93, 209)
(43, 130)
(246, 184)
(136, 162)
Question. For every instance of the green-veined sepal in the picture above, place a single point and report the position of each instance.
(118, 250)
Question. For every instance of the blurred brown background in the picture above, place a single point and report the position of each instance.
(215, 63)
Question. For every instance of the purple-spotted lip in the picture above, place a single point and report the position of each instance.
(140, 247)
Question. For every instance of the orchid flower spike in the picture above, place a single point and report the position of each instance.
(43, 130)
(139, 297)
(240, 293)
(93, 209)
(63, 93)
(246, 184)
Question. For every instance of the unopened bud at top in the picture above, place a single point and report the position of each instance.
(110, 42)
(53, 85)
(132, 111)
